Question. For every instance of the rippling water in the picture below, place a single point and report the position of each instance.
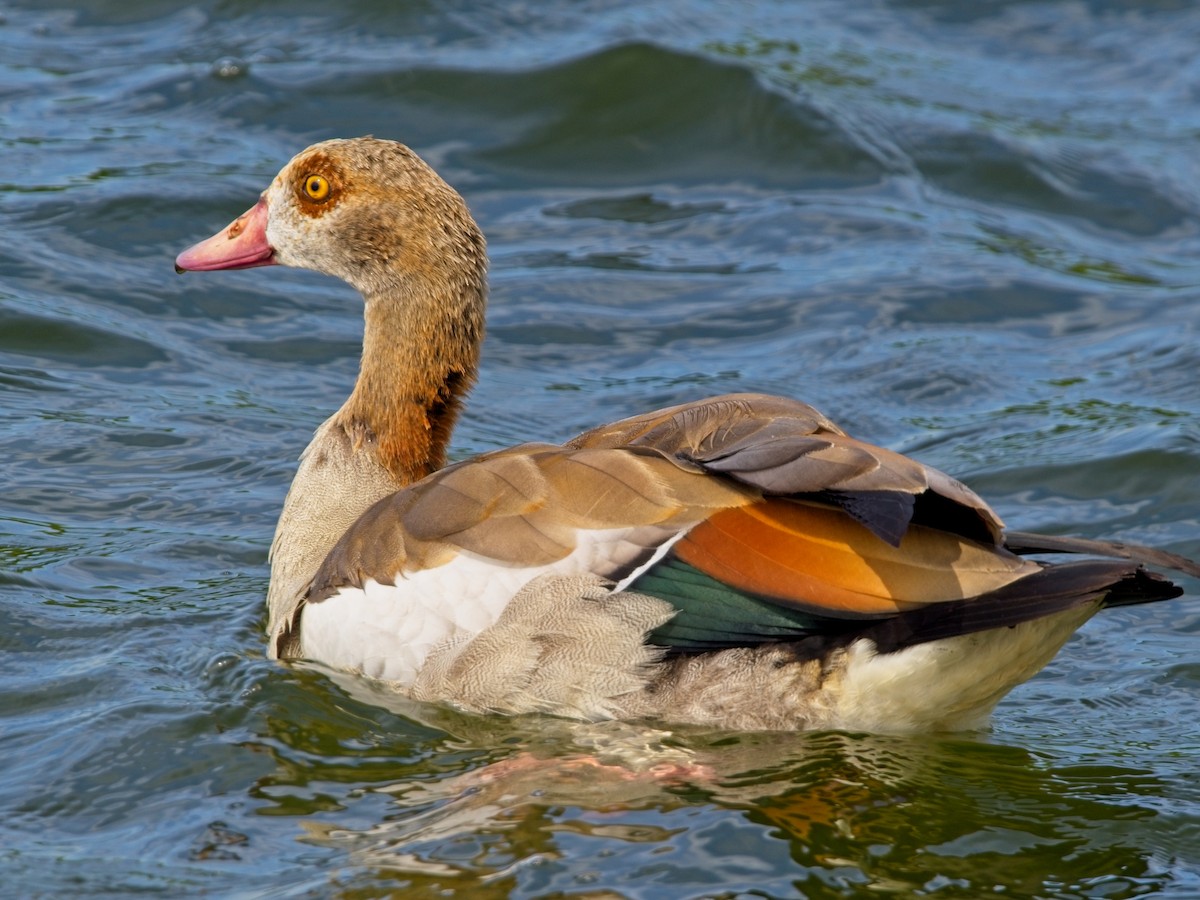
(970, 231)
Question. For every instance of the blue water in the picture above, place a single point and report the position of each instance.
(967, 231)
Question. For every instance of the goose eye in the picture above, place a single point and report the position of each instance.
(316, 187)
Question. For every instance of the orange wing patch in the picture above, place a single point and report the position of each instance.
(817, 556)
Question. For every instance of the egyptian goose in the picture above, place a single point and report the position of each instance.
(738, 562)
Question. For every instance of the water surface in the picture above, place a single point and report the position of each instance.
(967, 231)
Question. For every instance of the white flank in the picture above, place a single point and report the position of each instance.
(386, 631)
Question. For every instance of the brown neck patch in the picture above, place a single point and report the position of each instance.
(409, 434)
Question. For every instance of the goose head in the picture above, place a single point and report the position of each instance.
(372, 213)
(368, 211)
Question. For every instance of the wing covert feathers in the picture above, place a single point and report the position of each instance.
(700, 426)
(780, 447)
(670, 469)
(521, 507)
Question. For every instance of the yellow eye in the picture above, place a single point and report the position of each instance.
(316, 187)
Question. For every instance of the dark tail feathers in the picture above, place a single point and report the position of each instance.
(1051, 590)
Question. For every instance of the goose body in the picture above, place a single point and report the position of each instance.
(738, 561)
